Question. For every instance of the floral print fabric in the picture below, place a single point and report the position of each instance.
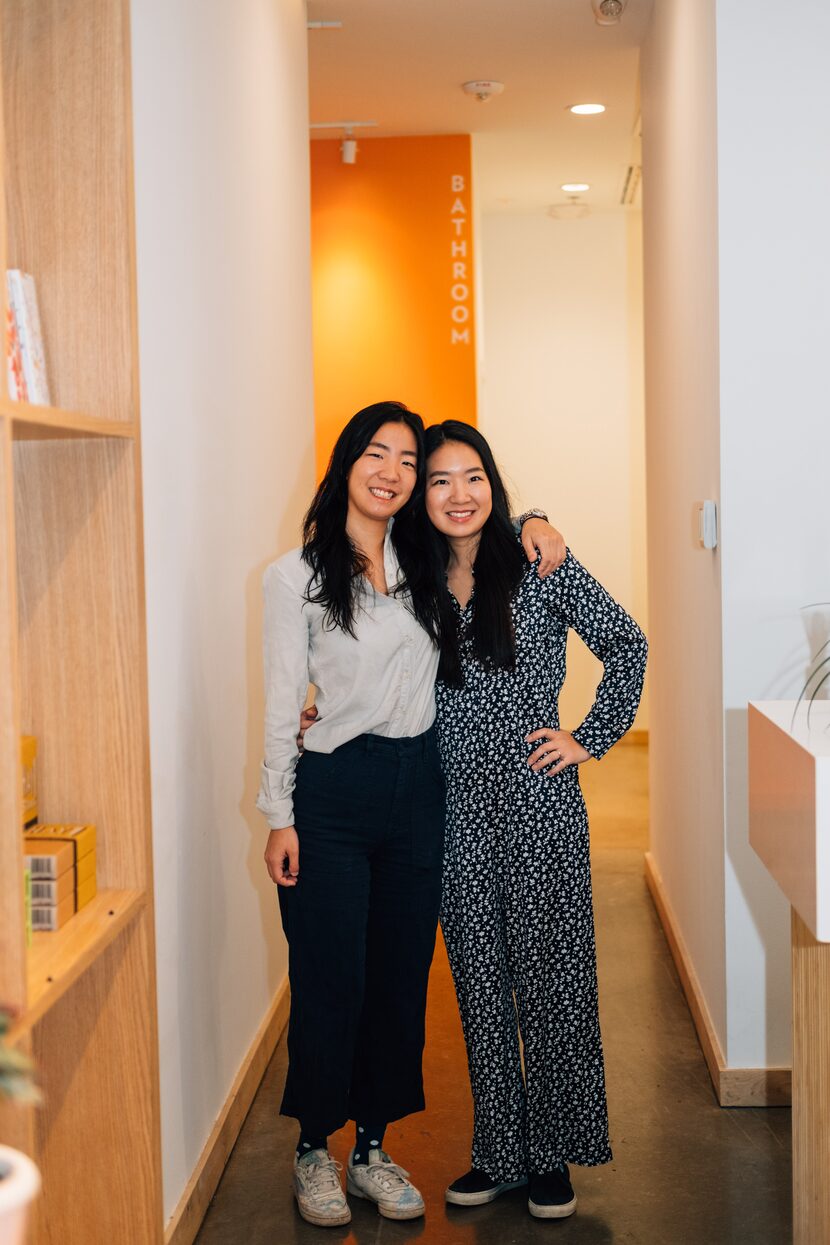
(517, 912)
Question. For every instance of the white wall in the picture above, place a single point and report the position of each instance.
(737, 274)
(683, 467)
(773, 98)
(221, 161)
(560, 395)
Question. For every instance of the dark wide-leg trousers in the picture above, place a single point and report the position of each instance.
(361, 926)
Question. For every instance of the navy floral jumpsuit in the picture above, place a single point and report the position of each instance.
(517, 913)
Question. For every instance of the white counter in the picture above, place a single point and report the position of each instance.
(789, 804)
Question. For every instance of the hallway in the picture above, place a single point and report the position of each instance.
(685, 1171)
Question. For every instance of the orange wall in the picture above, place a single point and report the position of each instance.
(393, 316)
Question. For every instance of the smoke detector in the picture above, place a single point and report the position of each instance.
(608, 12)
(483, 88)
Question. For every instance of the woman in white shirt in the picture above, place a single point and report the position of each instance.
(357, 823)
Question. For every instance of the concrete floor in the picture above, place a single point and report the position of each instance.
(685, 1171)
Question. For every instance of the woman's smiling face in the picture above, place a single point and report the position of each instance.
(459, 499)
(383, 479)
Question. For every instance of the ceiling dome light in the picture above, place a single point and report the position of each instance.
(586, 110)
(608, 12)
(574, 188)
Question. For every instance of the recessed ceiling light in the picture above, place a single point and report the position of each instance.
(587, 110)
(574, 188)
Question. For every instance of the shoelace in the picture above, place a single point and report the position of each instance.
(389, 1175)
(322, 1178)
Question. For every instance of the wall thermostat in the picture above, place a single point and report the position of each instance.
(708, 524)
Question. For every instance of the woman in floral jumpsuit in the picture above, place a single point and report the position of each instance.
(517, 913)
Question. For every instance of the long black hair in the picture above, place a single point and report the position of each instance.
(499, 568)
(335, 563)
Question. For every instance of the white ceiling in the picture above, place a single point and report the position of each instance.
(401, 63)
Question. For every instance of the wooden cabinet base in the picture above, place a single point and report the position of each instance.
(811, 1086)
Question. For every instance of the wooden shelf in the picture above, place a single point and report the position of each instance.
(72, 623)
(30, 423)
(56, 960)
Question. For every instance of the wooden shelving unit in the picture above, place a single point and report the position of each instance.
(72, 630)
(47, 423)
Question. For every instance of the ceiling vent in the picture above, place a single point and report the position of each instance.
(630, 192)
(632, 180)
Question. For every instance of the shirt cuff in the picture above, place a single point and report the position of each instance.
(277, 805)
(595, 737)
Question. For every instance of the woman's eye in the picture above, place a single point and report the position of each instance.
(438, 481)
(411, 465)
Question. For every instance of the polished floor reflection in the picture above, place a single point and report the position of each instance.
(685, 1172)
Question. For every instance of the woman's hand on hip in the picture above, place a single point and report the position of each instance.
(307, 717)
(558, 749)
(282, 856)
(538, 537)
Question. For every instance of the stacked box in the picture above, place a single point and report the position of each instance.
(62, 863)
(27, 902)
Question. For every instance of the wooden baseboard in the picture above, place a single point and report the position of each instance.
(756, 1087)
(192, 1208)
(634, 737)
(734, 1087)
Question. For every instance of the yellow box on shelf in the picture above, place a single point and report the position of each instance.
(85, 870)
(62, 858)
(47, 858)
(47, 892)
(54, 916)
(28, 761)
(86, 892)
(27, 902)
(82, 838)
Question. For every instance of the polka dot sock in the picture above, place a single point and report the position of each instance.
(309, 1141)
(367, 1137)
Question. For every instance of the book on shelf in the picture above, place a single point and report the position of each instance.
(14, 361)
(22, 298)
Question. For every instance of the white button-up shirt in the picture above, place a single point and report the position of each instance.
(379, 681)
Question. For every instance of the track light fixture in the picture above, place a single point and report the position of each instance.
(348, 147)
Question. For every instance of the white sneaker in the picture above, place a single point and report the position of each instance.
(382, 1181)
(319, 1193)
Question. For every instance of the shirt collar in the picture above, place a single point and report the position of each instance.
(391, 565)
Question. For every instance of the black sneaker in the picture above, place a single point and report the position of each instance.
(551, 1194)
(477, 1187)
